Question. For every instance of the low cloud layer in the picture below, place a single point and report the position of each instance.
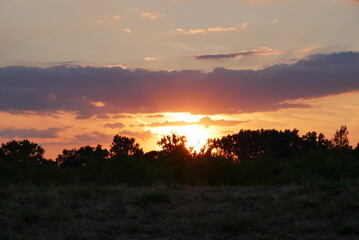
(114, 125)
(144, 136)
(205, 121)
(262, 51)
(92, 138)
(76, 89)
(30, 133)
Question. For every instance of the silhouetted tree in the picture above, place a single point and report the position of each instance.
(313, 141)
(172, 142)
(356, 151)
(79, 157)
(249, 144)
(323, 143)
(22, 151)
(152, 155)
(124, 146)
(341, 139)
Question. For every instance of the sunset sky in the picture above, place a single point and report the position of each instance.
(77, 72)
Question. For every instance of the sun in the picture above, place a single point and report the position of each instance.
(196, 135)
(188, 125)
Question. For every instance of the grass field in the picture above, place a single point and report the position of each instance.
(326, 211)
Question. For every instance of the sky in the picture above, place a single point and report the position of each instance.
(75, 73)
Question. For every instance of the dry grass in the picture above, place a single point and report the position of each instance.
(178, 212)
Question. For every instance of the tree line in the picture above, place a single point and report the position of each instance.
(247, 157)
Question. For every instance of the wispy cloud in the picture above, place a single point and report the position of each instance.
(152, 15)
(261, 51)
(221, 29)
(121, 116)
(98, 103)
(275, 20)
(150, 59)
(108, 19)
(191, 31)
(210, 29)
(310, 49)
(127, 30)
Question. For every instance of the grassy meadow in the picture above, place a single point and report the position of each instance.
(324, 210)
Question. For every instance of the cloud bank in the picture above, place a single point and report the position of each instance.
(32, 132)
(114, 125)
(262, 51)
(205, 121)
(76, 89)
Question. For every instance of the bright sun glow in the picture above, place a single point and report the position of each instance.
(196, 135)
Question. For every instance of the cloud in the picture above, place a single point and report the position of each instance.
(310, 49)
(205, 121)
(121, 116)
(116, 65)
(210, 29)
(114, 125)
(127, 30)
(103, 116)
(93, 137)
(98, 104)
(276, 20)
(152, 15)
(155, 116)
(191, 31)
(30, 133)
(220, 29)
(150, 59)
(230, 56)
(125, 92)
(108, 19)
(141, 135)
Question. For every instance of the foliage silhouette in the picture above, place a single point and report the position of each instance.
(247, 157)
(22, 151)
(79, 157)
(341, 139)
(124, 146)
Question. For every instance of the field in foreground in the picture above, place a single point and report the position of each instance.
(328, 211)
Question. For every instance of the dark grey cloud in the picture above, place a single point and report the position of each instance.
(264, 51)
(114, 125)
(76, 89)
(30, 133)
